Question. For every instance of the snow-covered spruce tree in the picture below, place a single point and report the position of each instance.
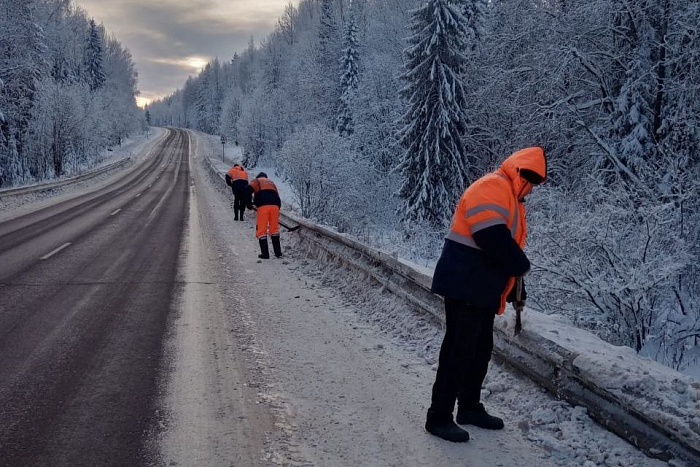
(327, 32)
(94, 58)
(209, 98)
(433, 164)
(321, 78)
(349, 72)
(474, 12)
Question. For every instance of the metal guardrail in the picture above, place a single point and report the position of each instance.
(36, 188)
(542, 360)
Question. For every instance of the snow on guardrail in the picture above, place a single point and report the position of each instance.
(651, 406)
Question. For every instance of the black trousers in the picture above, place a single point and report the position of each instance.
(464, 357)
(239, 202)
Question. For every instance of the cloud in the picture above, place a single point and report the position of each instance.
(173, 39)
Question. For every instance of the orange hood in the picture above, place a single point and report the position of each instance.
(529, 158)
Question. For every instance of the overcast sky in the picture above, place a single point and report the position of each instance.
(172, 39)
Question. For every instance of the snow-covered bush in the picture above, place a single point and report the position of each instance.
(619, 268)
(339, 193)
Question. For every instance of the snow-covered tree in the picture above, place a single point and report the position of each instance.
(327, 32)
(474, 12)
(94, 57)
(433, 165)
(22, 66)
(349, 72)
(54, 122)
(326, 192)
(209, 98)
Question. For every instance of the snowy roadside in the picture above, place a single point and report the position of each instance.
(359, 332)
(137, 148)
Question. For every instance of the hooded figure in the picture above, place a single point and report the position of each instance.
(481, 259)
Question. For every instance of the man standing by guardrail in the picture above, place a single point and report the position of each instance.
(480, 261)
(265, 196)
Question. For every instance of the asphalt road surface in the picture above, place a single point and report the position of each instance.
(85, 297)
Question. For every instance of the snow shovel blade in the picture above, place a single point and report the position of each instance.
(518, 321)
(290, 228)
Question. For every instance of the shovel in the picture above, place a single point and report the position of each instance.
(518, 305)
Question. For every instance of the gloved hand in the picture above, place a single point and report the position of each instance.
(250, 207)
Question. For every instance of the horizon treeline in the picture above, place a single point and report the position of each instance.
(67, 91)
(379, 113)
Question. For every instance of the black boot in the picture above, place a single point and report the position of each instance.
(444, 427)
(264, 251)
(478, 417)
(235, 215)
(241, 216)
(276, 246)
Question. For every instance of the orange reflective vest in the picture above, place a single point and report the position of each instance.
(260, 184)
(237, 173)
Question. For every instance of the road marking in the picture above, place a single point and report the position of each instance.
(115, 212)
(49, 255)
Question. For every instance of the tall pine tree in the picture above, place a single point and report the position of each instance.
(348, 77)
(433, 164)
(94, 57)
(323, 79)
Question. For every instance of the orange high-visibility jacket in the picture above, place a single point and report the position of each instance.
(264, 192)
(468, 271)
(237, 173)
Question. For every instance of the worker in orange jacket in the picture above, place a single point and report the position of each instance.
(263, 194)
(480, 261)
(237, 179)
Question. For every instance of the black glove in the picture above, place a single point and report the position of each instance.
(250, 207)
(511, 295)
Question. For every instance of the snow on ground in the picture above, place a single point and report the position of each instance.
(359, 332)
(136, 147)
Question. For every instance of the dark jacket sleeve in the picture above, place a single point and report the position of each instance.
(249, 196)
(497, 242)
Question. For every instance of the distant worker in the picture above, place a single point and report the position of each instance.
(263, 193)
(481, 259)
(237, 179)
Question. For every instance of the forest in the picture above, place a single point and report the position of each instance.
(378, 113)
(67, 91)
